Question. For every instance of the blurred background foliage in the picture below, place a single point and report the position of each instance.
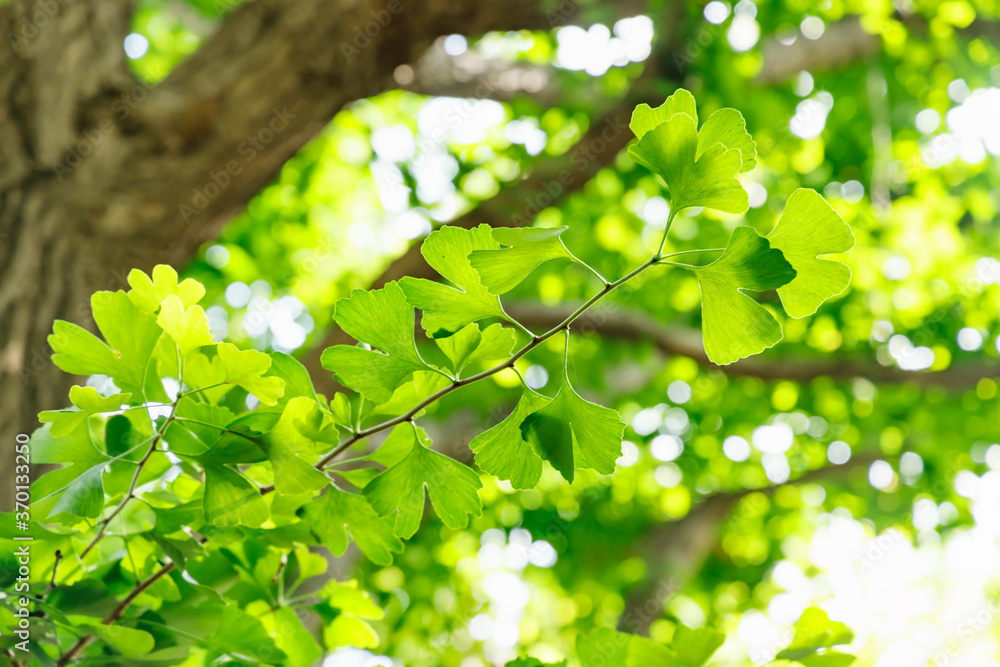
(854, 466)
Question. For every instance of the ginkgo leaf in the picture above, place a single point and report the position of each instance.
(75, 489)
(694, 647)
(570, 433)
(383, 319)
(127, 641)
(470, 344)
(79, 352)
(286, 446)
(447, 309)
(339, 513)
(727, 127)
(500, 271)
(645, 118)
(813, 631)
(346, 630)
(147, 294)
(809, 228)
(231, 499)
(694, 178)
(459, 346)
(733, 324)
(452, 487)
(90, 403)
(502, 450)
(245, 368)
(187, 327)
(604, 647)
(131, 337)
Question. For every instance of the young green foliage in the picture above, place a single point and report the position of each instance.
(448, 309)
(383, 319)
(733, 324)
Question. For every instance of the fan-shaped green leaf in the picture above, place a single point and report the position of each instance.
(147, 294)
(447, 309)
(452, 487)
(502, 451)
(693, 178)
(246, 368)
(809, 228)
(645, 118)
(338, 513)
(572, 433)
(383, 319)
(502, 270)
(733, 324)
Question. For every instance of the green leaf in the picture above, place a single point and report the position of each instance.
(292, 637)
(470, 344)
(447, 309)
(245, 368)
(534, 662)
(90, 403)
(452, 487)
(828, 659)
(603, 648)
(75, 489)
(727, 127)
(294, 374)
(809, 228)
(733, 324)
(643, 651)
(707, 179)
(813, 631)
(500, 271)
(79, 352)
(347, 597)
(383, 319)
(286, 445)
(127, 641)
(645, 118)
(231, 499)
(503, 452)
(572, 433)
(85, 496)
(338, 513)
(350, 631)
(187, 327)
(147, 294)
(239, 632)
(693, 648)
(340, 406)
(131, 333)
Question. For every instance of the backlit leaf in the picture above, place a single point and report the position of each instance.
(147, 293)
(733, 324)
(572, 433)
(502, 451)
(526, 248)
(809, 228)
(452, 487)
(188, 327)
(447, 309)
(383, 319)
(245, 368)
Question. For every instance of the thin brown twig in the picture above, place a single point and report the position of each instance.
(116, 613)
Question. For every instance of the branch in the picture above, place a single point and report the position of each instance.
(197, 147)
(681, 547)
(614, 321)
(116, 613)
(846, 42)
